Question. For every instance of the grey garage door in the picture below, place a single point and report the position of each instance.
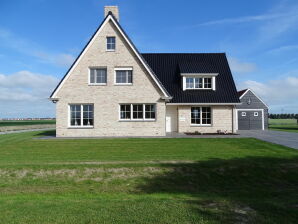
(249, 120)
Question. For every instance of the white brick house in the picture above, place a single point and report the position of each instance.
(113, 90)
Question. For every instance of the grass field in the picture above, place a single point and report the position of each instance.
(146, 180)
(289, 125)
(22, 123)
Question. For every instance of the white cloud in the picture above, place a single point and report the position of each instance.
(63, 60)
(23, 92)
(280, 94)
(283, 49)
(284, 24)
(244, 19)
(241, 67)
(8, 39)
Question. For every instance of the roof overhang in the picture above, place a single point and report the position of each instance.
(200, 74)
(198, 104)
(108, 18)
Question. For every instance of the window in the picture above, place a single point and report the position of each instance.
(198, 83)
(123, 76)
(125, 112)
(149, 111)
(189, 83)
(111, 43)
(243, 114)
(207, 83)
(137, 111)
(201, 115)
(81, 115)
(98, 76)
(256, 114)
(196, 115)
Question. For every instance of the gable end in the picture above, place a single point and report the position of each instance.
(110, 17)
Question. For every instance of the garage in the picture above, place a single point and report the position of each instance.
(252, 113)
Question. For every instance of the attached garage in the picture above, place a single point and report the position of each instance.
(252, 114)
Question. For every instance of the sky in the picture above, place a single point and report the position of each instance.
(39, 40)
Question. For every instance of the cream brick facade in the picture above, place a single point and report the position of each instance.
(75, 89)
(106, 99)
(222, 119)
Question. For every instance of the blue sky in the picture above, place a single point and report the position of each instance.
(39, 39)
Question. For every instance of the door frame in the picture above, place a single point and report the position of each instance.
(263, 120)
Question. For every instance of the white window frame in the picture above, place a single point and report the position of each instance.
(100, 83)
(123, 69)
(107, 44)
(131, 112)
(243, 114)
(81, 106)
(201, 117)
(213, 84)
(256, 114)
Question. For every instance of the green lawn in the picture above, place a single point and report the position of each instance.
(146, 180)
(22, 123)
(289, 125)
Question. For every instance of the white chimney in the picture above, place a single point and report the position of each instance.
(112, 9)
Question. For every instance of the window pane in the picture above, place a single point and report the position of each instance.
(111, 43)
(75, 115)
(206, 115)
(101, 75)
(87, 115)
(138, 111)
(125, 111)
(189, 83)
(198, 83)
(195, 115)
(149, 111)
(123, 76)
(92, 76)
(129, 76)
(207, 82)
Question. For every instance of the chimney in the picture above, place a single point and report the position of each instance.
(112, 9)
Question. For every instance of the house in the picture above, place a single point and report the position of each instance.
(113, 90)
(252, 113)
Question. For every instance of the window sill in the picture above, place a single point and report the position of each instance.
(138, 120)
(80, 127)
(110, 50)
(122, 84)
(97, 84)
(200, 125)
(200, 89)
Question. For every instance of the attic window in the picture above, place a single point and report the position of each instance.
(111, 43)
(198, 83)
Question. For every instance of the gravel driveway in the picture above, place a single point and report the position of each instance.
(288, 139)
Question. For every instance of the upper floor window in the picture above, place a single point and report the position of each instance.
(111, 43)
(123, 76)
(98, 76)
(198, 83)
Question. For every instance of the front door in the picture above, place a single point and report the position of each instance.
(168, 124)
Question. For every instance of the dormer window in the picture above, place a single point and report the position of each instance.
(111, 43)
(198, 81)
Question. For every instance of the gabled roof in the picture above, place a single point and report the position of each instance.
(110, 17)
(168, 66)
(244, 91)
(241, 92)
